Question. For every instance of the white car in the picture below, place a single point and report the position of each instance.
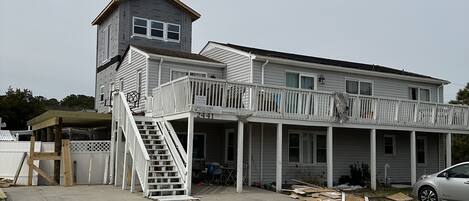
(449, 184)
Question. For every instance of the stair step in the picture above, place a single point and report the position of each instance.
(169, 189)
(174, 198)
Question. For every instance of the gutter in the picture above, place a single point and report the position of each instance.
(188, 61)
(263, 70)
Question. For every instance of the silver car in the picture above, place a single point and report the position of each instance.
(449, 184)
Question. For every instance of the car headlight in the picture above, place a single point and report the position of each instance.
(423, 177)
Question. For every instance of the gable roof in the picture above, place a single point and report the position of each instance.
(325, 61)
(170, 53)
(113, 4)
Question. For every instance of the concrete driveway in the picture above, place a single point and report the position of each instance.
(111, 193)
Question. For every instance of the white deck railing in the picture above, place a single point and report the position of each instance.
(133, 140)
(227, 97)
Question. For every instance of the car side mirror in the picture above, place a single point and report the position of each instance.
(446, 175)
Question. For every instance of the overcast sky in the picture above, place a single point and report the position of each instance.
(49, 46)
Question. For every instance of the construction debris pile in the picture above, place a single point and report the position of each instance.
(5, 183)
(316, 193)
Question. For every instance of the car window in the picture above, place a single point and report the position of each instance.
(461, 171)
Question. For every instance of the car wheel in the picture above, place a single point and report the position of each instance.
(427, 193)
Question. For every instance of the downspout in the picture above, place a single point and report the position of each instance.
(438, 93)
(262, 70)
(159, 71)
(252, 68)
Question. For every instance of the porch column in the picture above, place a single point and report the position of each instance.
(239, 164)
(190, 146)
(373, 159)
(118, 158)
(448, 149)
(330, 178)
(278, 178)
(124, 172)
(110, 179)
(413, 159)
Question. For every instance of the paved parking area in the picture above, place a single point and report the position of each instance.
(111, 193)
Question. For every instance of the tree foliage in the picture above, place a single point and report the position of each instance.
(18, 106)
(460, 148)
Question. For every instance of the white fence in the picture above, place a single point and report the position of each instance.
(90, 161)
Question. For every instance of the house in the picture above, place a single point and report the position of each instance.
(267, 116)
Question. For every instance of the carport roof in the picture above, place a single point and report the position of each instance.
(70, 119)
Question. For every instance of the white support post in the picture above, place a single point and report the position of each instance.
(110, 176)
(124, 172)
(330, 180)
(239, 164)
(448, 149)
(190, 146)
(118, 158)
(413, 158)
(250, 156)
(373, 159)
(278, 178)
(262, 154)
(133, 173)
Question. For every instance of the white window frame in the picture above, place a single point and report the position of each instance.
(133, 25)
(205, 143)
(418, 92)
(359, 80)
(227, 131)
(102, 96)
(303, 74)
(156, 37)
(148, 30)
(139, 84)
(314, 148)
(393, 137)
(184, 71)
(425, 150)
(167, 30)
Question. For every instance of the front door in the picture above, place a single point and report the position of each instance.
(300, 102)
(456, 185)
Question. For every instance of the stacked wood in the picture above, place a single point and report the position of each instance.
(5, 183)
(308, 193)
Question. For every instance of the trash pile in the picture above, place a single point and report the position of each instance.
(5, 183)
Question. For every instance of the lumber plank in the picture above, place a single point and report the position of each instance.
(44, 174)
(30, 160)
(17, 174)
(46, 156)
(67, 162)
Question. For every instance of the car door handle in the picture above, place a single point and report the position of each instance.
(467, 182)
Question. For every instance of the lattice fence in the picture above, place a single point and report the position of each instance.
(90, 146)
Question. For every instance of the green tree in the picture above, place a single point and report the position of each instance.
(461, 142)
(77, 102)
(18, 106)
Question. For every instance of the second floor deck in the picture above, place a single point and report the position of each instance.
(214, 96)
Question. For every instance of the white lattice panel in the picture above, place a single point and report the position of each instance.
(90, 146)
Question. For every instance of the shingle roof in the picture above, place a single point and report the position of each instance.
(325, 61)
(5, 135)
(173, 53)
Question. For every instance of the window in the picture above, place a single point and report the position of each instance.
(157, 29)
(421, 146)
(139, 82)
(230, 145)
(121, 87)
(461, 171)
(294, 147)
(307, 148)
(419, 94)
(101, 93)
(199, 144)
(390, 145)
(140, 26)
(359, 87)
(173, 32)
(303, 81)
(175, 74)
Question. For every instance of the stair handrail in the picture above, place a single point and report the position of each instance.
(175, 138)
(175, 151)
(133, 139)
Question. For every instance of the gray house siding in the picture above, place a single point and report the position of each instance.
(128, 72)
(238, 67)
(113, 22)
(168, 65)
(104, 78)
(159, 10)
(350, 146)
(274, 74)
